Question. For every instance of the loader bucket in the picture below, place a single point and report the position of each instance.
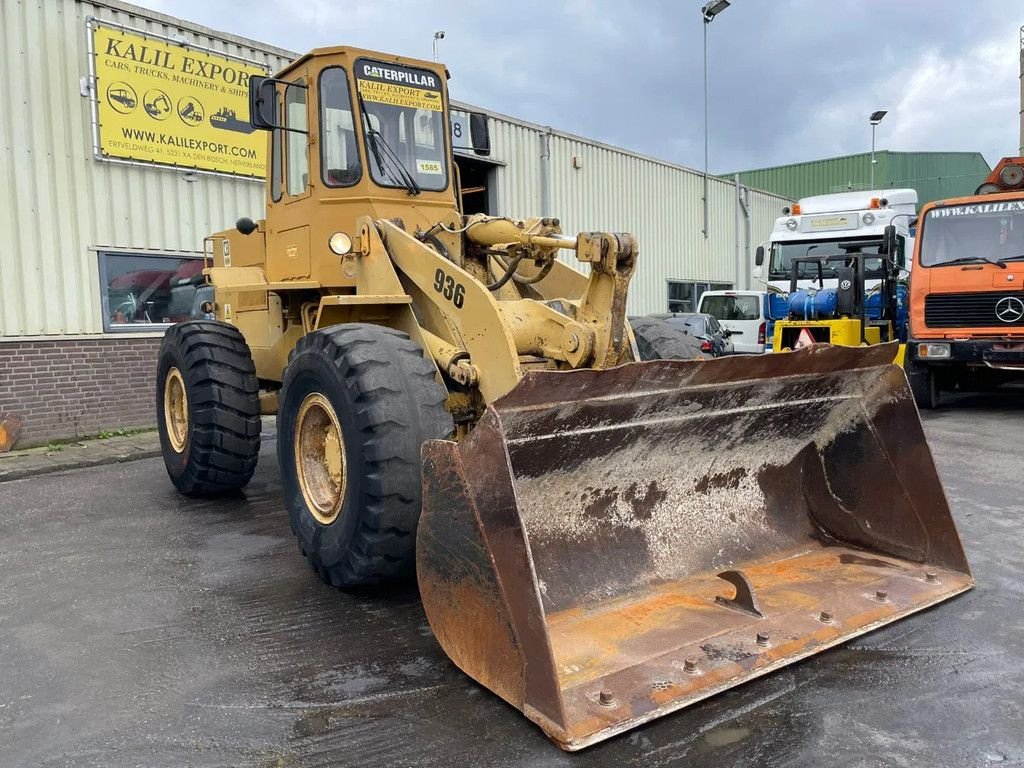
(606, 547)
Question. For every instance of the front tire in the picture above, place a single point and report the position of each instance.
(357, 402)
(924, 385)
(208, 409)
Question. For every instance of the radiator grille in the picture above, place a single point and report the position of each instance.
(969, 310)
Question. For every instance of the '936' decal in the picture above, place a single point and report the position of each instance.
(451, 290)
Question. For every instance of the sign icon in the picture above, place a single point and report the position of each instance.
(1010, 309)
(226, 120)
(121, 97)
(190, 110)
(156, 104)
(805, 339)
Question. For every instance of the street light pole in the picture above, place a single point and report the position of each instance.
(708, 13)
(875, 118)
(439, 35)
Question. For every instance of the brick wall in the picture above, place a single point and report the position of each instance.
(69, 388)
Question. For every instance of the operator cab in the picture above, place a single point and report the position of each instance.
(361, 133)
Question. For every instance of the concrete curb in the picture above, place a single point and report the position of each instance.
(19, 465)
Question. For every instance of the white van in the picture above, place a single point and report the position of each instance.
(747, 315)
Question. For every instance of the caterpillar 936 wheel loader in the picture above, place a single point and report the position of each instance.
(597, 540)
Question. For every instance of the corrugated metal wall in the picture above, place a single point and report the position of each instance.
(63, 201)
(935, 175)
(64, 204)
(617, 190)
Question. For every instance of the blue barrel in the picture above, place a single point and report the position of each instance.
(812, 305)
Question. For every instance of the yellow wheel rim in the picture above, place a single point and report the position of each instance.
(320, 457)
(176, 410)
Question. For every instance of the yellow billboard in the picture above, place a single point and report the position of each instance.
(160, 102)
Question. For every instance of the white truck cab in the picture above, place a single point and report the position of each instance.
(834, 225)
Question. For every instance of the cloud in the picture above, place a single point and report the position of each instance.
(791, 80)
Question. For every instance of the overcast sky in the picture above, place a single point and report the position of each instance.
(791, 80)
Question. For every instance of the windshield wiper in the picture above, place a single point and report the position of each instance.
(375, 141)
(1012, 258)
(974, 259)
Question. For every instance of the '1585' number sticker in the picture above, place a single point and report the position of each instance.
(447, 287)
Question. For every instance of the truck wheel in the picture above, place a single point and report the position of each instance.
(658, 340)
(208, 409)
(357, 403)
(924, 385)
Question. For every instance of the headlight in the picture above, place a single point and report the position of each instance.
(791, 224)
(868, 218)
(933, 350)
(340, 243)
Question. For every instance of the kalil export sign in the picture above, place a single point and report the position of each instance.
(160, 102)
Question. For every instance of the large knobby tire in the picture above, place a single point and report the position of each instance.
(924, 385)
(354, 498)
(658, 340)
(208, 409)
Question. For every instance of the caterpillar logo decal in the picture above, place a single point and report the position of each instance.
(399, 86)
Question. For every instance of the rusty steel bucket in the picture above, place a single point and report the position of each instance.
(607, 547)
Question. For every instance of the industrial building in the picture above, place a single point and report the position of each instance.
(100, 221)
(934, 175)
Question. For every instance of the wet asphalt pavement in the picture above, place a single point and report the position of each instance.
(139, 628)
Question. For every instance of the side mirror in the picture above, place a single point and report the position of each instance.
(479, 133)
(889, 243)
(262, 103)
(759, 256)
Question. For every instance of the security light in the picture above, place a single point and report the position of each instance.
(712, 9)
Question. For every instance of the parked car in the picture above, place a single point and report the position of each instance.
(714, 339)
(749, 315)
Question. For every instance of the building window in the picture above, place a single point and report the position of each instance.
(684, 295)
(144, 291)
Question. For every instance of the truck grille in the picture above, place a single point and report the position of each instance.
(969, 310)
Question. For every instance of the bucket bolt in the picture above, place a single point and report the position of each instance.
(605, 698)
(762, 639)
(931, 577)
(825, 617)
(881, 596)
(690, 666)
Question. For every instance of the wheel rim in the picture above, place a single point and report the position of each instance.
(320, 457)
(176, 409)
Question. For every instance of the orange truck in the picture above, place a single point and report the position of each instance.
(967, 290)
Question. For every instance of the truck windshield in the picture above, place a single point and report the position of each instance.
(404, 112)
(781, 265)
(990, 232)
(731, 307)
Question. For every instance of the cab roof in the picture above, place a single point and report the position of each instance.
(355, 53)
(857, 201)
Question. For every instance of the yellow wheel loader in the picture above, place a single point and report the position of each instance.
(597, 540)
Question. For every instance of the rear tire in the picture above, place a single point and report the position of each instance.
(357, 403)
(659, 340)
(208, 409)
(924, 385)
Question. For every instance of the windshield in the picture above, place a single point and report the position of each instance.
(406, 131)
(731, 307)
(989, 232)
(781, 265)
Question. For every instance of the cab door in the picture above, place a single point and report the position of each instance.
(290, 194)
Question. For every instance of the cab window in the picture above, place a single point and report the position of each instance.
(339, 154)
(296, 143)
(402, 115)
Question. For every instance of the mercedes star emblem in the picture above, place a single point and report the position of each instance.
(1010, 309)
